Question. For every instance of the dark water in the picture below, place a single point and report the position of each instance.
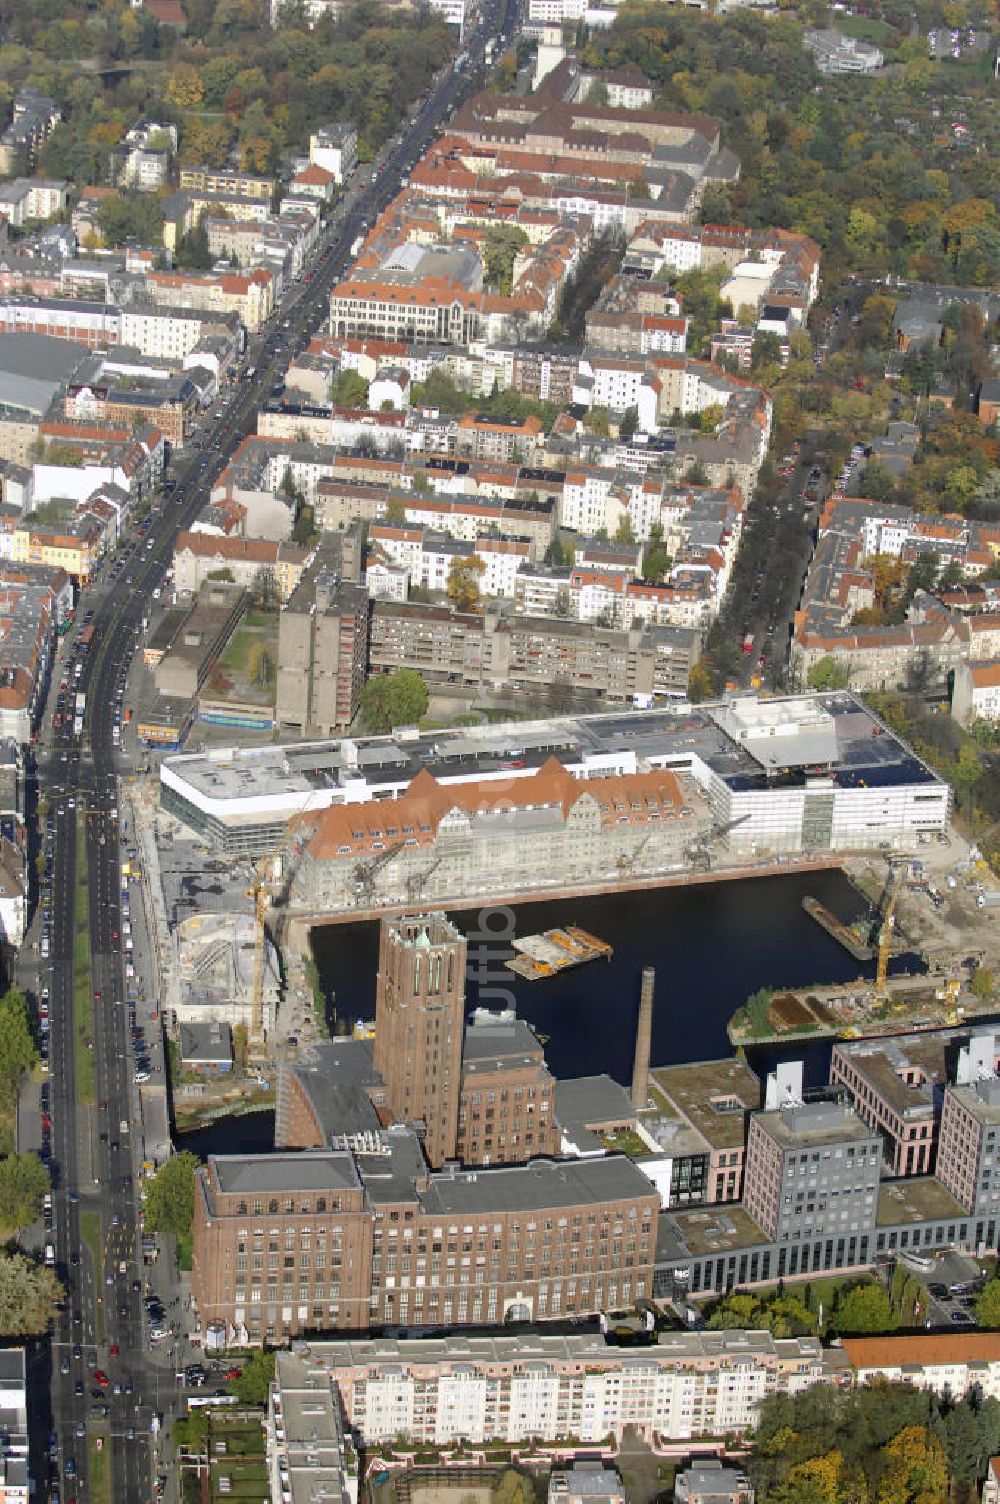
(253, 1133)
(711, 944)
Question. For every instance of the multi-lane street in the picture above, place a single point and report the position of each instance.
(106, 1387)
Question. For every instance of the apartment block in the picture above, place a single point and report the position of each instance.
(322, 648)
(35, 116)
(334, 147)
(438, 1391)
(502, 650)
(812, 1170)
(257, 564)
(250, 185)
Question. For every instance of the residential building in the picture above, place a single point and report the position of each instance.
(708, 1481)
(27, 199)
(308, 1455)
(35, 116)
(252, 185)
(951, 1364)
(272, 570)
(976, 693)
(15, 1485)
(144, 157)
(322, 647)
(335, 147)
(585, 1483)
(438, 1391)
(13, 894)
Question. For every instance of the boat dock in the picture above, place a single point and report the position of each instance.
(841, 932)
(556, 950)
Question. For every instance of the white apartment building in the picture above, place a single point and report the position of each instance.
(510, 1389)
(334, 147)
(976, 695)
(949, 1363)
(166, 333)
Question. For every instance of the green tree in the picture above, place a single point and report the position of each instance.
(864, 1308)
(304, 528)
(251, 1388)
(170, 1195)
(398, 699)
(828, 674)
(192, 252)
(500, 249)
(18, 1051)
(984, 983)
(988, 1305)
(348, 389)
(29, 1294)
(700, 685)
(24, 1180)
(464, 576)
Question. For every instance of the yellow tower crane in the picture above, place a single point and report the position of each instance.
(887, 925)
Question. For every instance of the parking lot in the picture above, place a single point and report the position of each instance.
(951, 1286)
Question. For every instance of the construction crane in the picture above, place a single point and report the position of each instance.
(893, 888)
(626, 860)
(366, 872)
(699, 850)
(417, 881)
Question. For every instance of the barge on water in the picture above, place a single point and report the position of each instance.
(557, 950)
(841, 932)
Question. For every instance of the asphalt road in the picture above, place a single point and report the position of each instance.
(94, 1146)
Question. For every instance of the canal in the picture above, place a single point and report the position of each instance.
(711, 944)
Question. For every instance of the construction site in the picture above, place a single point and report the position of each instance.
(251, 849)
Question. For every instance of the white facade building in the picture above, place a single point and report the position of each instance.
(510, 1389)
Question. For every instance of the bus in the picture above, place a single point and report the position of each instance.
(78, 714)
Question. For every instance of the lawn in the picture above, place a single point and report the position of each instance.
(90, 1231)
(98, 1471)
(83, 1002)
(865, 29)
(243, 1462)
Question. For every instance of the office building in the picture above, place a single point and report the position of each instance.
(896, 1087)
(812, 1171)
(285, 1243)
